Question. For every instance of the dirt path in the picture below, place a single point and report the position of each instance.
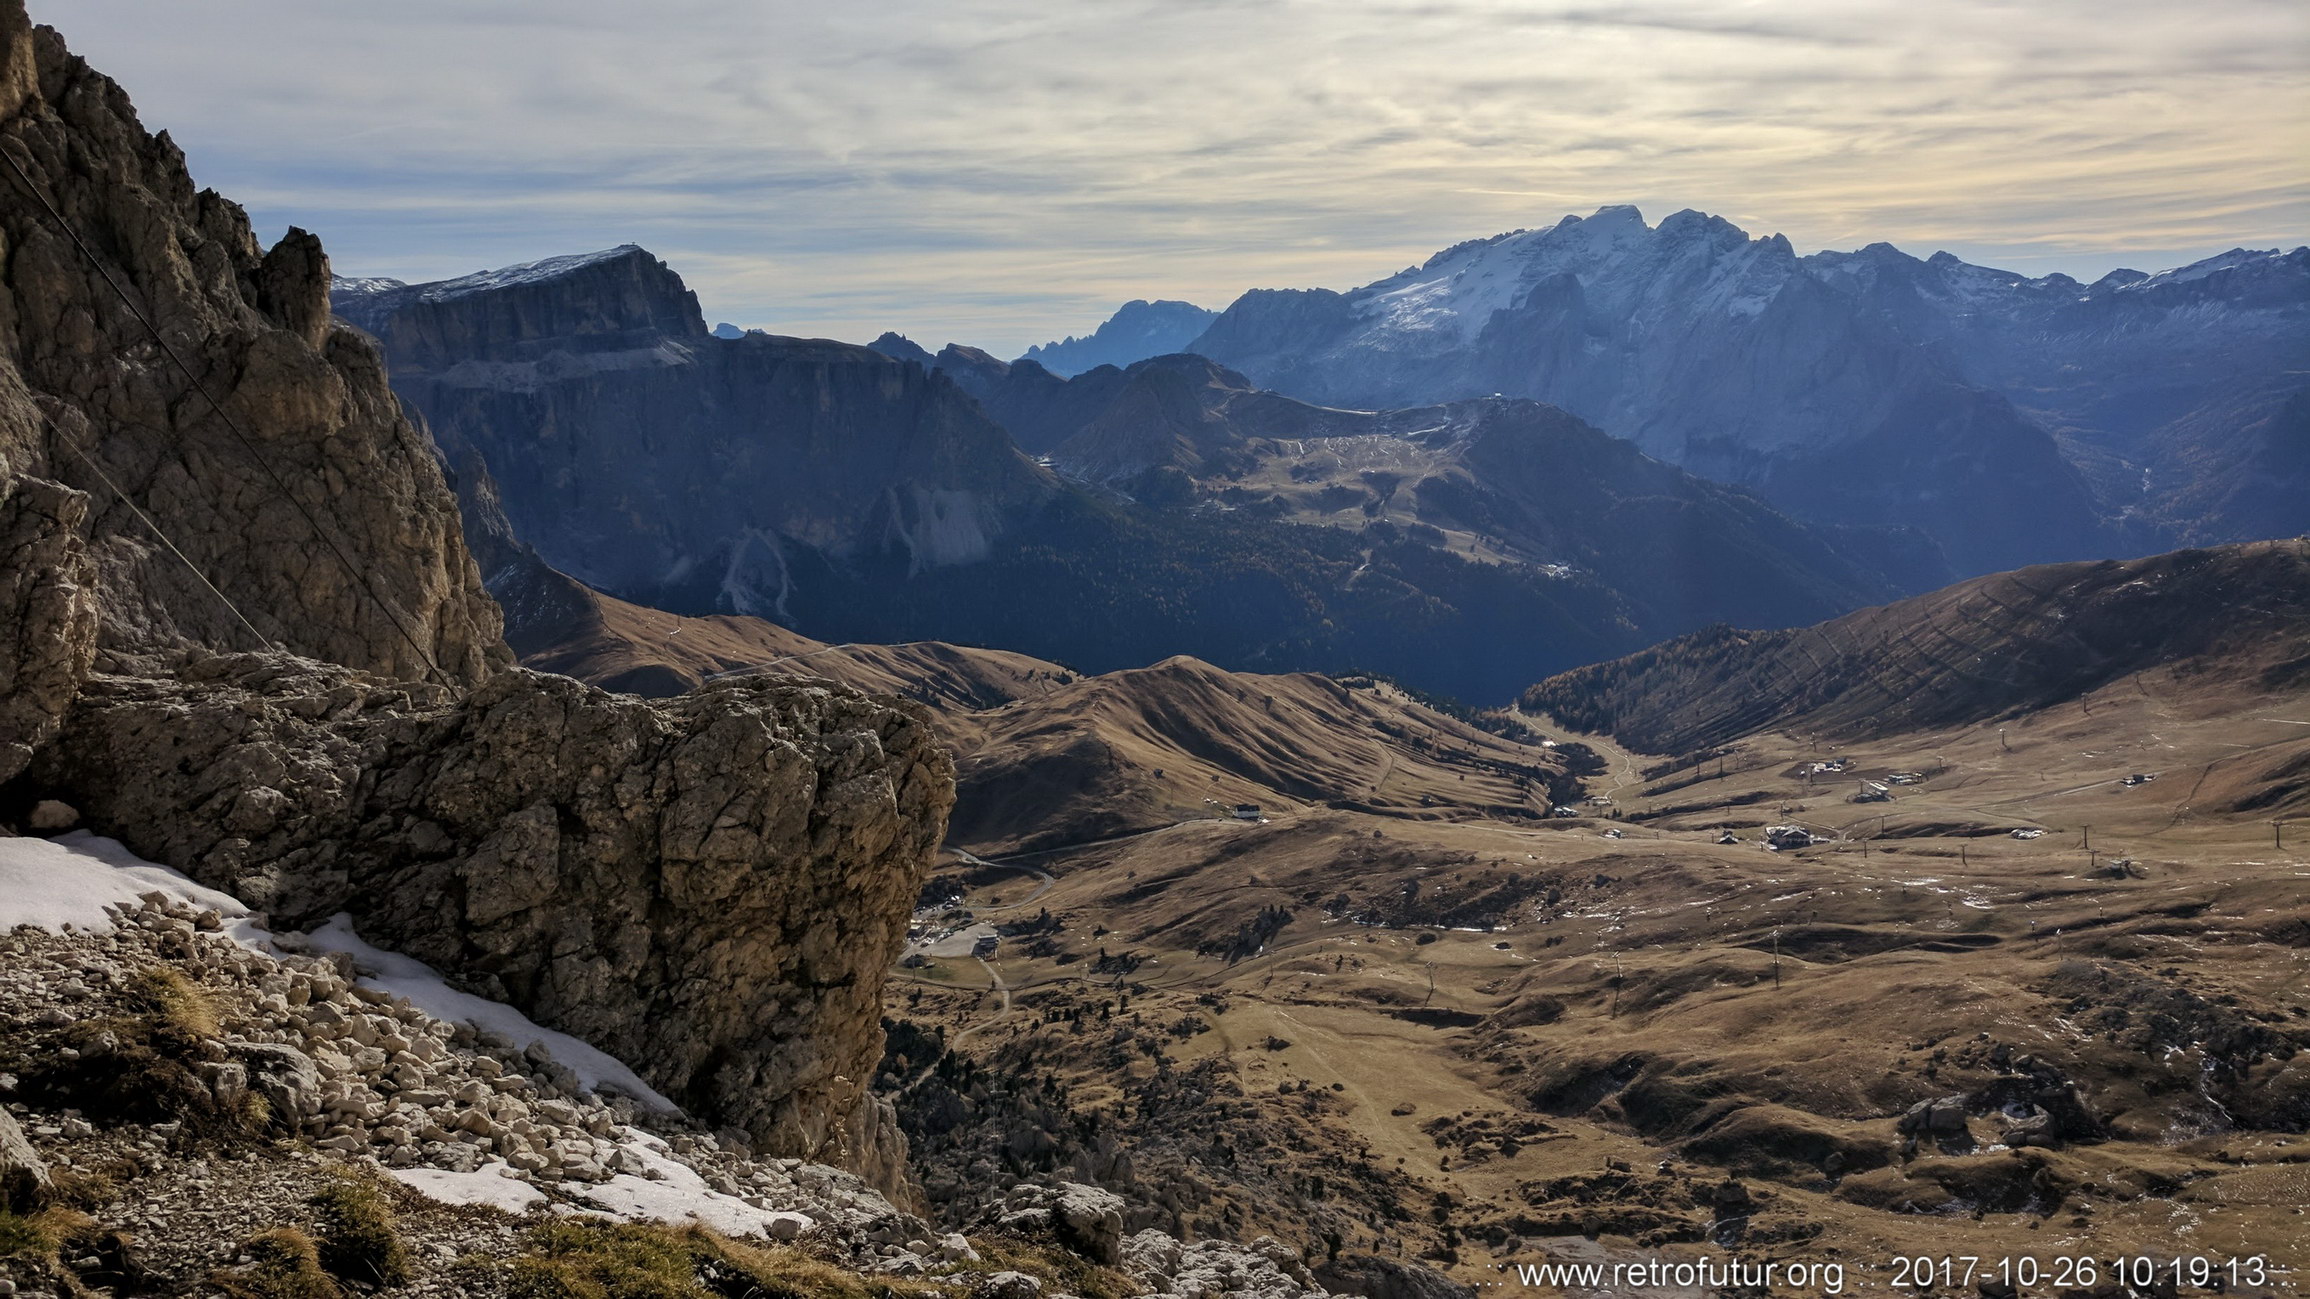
(995, 985)
(1045, 876)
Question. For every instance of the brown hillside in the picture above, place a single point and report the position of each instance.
(2214, 620)
(1135, 750)
(560, 625)
(1048, 757)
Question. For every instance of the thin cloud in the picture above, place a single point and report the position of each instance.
(1000, 172)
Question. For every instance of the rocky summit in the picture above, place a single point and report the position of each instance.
(587, 387)
(1139, 329)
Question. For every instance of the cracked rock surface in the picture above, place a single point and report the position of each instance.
(711, 886)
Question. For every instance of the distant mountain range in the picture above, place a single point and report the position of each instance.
(1500, 480)
(1138, 330)
(2012, 419)
(862, 494)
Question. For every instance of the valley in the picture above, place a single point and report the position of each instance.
(1427, 1024)
(1618, 744)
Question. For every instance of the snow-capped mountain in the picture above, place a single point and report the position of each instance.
(1856, 387)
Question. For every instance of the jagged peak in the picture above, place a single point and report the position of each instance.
(899, 347)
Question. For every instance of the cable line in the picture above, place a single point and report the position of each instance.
(352, 570)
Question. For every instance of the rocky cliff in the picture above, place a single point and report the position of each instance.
(642, 455)
(315, 510)
(708, 886)
(257, 649)
(615, 300)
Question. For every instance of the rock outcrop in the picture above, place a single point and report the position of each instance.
(317, 511)
(254, 645)
(24, 1179)
(47, 610)
(710, 887)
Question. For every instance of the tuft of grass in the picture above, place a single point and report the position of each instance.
(287, 1266)
(141, 1065)
(24, 1236)
(597, 1260)
(174, 1003)
(90, 1188)
(572, 1260)
(358, 1241)
(38, 1236)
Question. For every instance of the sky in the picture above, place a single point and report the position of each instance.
(999, 173)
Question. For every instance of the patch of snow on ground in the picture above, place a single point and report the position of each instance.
(70, 880)
(405, 976)
(488, 1185)
(671, 1191)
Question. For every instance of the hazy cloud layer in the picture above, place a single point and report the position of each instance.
(1000, 172)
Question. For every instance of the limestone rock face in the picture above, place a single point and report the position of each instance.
(612, 301)
(47, 612)
(331, 528)
(644, 456)
(710, 888)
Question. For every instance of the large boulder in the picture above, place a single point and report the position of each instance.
(1083, 1218)
(24, 1180)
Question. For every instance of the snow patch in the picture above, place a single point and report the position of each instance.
(671, 1191)
(423, 986)
(538, 272)
(489, 1186)
(2232, 260)
(68, 882)
(364, 284)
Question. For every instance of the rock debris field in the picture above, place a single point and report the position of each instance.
(178, 1082)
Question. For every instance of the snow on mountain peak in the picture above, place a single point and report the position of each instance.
(364, 284)
(2235, 259)
(1612, 252)
(537, 272)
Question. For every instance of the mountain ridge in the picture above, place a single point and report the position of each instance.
(878, 495)
(1847, 387)
(1984, 648)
